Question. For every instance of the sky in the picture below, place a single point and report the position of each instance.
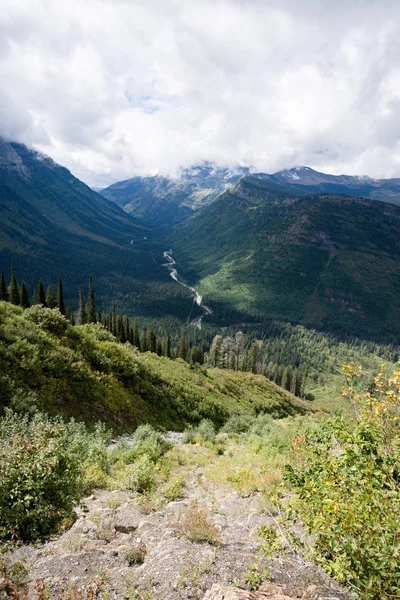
(113, 89)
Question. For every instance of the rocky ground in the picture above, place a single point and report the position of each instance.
(135, 549)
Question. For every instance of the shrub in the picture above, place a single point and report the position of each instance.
(49, 319)
(189, 436)
(146, 441)
(140, 477)
(349, 499)
(238, 423)
(174, 488)
(136, 555)
(206, 430)
(197, 527)
(40, 477)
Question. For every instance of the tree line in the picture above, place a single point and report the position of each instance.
(122, 327)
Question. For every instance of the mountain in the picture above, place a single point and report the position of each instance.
(306, 180)
(53, 224)
(161, 201)
(324, 260)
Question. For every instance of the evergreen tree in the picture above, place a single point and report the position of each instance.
(15, 296)
(214, 355)
(197, 355)
(143, 342)
(91, 303)
(60, 297)
(183, 346)
(24, 296)
(51, 297)
(3, 288)
(81, 308)
(159, 348)
(135, 335)
(151, 340)
(41, 294)
(167, 351)
(35, 297)
(99, 317)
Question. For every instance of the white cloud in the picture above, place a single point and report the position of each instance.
(111, 88)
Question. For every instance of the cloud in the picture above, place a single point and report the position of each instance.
(111, 89)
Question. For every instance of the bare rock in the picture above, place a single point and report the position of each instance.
(270, 591)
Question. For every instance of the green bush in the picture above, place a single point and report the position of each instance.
(189, 436)
(238, 423)
(349, 499)
(206, 430)
(140, 477)
(145, 441)
(40, 477)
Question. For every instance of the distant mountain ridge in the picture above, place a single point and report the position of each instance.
(161, 201)
(308, 180)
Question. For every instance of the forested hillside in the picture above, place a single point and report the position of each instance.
(52, 224)
(327, 261)
(82, 371)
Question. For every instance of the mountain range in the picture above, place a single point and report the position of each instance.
(297, 245)
(52, 224)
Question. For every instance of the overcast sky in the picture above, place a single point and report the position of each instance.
(112, 89)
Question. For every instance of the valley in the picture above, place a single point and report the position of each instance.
(197, 298)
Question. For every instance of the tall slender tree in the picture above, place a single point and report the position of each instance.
(167, 350)
(91, 303)
(3, 288)
(15, 296)
(51, 297)
(41, 294)
(81, 308)
(60, 297)
(24, 296)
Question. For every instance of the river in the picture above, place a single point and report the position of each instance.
(170, 265)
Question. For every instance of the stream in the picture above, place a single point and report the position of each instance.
(170, 265)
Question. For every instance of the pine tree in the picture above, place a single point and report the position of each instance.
(183, 346)
(60, 297)
(51, 297)
(81, 308)
(214, 356)
(3, 288)
(135, 335)
(151, 340)
(197, 355)
(41, 294)
(99, 317)
(14, 289)
(24, 296)
(91, 303)
(159, 348)
(167, 351)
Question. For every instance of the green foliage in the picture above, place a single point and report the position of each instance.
(349, 499)
(83, 372)
(206, 430)
(140, 476)
(319, 260)
(40, 477)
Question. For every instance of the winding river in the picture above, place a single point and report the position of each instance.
(170, 265)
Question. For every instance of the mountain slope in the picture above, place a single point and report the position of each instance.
(52, 224)
(83, 372)
(322, 260)
(306, 180)
(160, 201)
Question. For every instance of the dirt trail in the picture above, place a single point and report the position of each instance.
(112, 524)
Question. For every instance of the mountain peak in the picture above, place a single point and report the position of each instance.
(10, 159)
